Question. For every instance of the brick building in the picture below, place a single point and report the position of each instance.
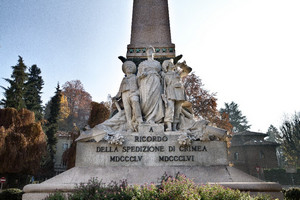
(250, 153)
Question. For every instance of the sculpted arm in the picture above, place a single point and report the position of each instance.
(119, 94)
(164, 87)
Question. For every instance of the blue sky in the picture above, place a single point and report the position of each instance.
(246, 51)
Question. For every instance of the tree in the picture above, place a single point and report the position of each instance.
(52, 125)
(79, 102)
(64, 111)
(14, 94)
(33, 92)
(98, 114)
(22, 141)
(236, 118)
(290, 134)
(273, 134)
(204, 103)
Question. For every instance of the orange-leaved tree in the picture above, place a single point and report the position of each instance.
(22, 141)
(99, 113)
(78, 102)
(204, 103)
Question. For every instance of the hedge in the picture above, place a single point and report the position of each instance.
(279, 175)
(11, 194)
(179, 188)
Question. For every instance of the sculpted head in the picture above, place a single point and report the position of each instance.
(168, 65)
(150, 51)
(129, 67)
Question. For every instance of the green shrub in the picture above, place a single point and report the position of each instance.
(146, 191)
(95, 189)
(262, 197)
(210, 192)
(280, 175)
(11, 194)
(292, 194)
(178, 188)
(56, 196)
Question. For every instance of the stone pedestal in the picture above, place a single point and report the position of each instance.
(144, 157)
(151, 149)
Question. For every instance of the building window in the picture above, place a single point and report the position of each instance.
(261, 155)
(236, 156)
(63, 163)
(65, 146)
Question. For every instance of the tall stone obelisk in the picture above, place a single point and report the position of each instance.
(150, 26)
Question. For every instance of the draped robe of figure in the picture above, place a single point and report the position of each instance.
(150, 88)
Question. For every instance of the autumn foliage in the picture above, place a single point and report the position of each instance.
(204, 103)
(22, 141)
(99, 113)
(78, 103)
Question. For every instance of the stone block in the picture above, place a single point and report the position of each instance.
(150, 128)
(151, 149)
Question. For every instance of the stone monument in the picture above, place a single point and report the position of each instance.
(153, 132)
(150, 26)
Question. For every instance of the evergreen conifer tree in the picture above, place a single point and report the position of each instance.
(33, 92)
(52, 125)
(14, 94)
(274, 135)
(236, 118)
(290, 135)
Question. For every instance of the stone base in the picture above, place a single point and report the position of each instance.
(223, 175)
(151, 154)
(145, 157)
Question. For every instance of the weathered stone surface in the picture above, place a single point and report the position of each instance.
(44, 188)
(129, 92)
(150, 26)
(150, 88)
(35, 196)
(151, 149)
(149, 128)
(141, 175)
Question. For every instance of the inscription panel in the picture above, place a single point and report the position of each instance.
(151, 149)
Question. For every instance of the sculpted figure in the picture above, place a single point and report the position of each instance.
(198, 129)
(174, 94)
(150, 88)
(130, 96)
